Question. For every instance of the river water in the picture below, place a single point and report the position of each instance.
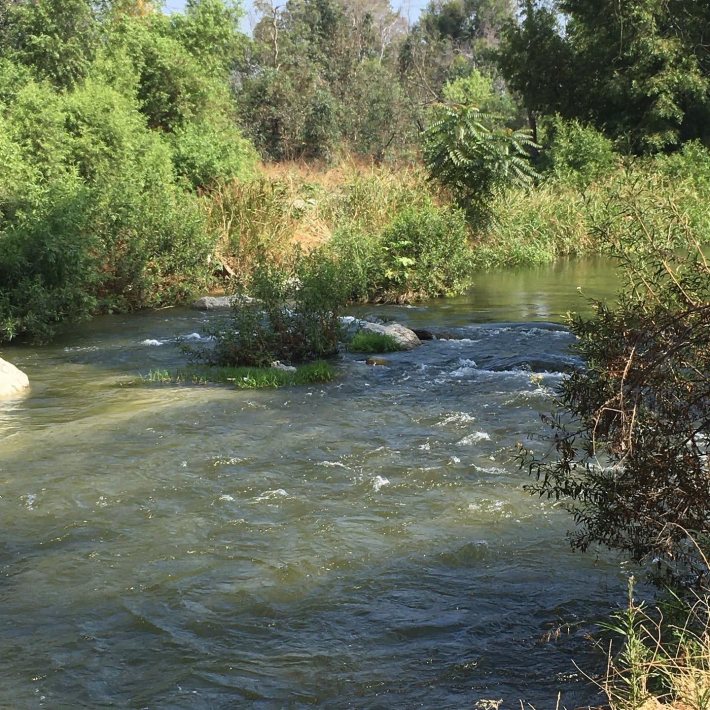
(366, 543)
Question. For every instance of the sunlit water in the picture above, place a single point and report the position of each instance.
(367, 543)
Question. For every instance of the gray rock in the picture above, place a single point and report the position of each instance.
(406, 338)
(13, 381)
(213, 303)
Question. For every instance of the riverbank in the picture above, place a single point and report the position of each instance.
(389, 232)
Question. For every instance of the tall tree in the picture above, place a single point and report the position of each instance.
(637, 69)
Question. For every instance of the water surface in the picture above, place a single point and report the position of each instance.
(367, 543)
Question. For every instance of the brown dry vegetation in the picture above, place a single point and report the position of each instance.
(300, 205)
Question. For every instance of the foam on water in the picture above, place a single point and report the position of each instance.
(457, 418)
(466, 367)
(474, 438)
(271, 495)
(378, 482)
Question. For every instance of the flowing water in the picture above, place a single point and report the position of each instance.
(365, 543)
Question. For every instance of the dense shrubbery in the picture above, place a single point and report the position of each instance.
(577, 154)
(630, 447)
(423, 253)
(293, 315)
(569, 215)
(102, 115)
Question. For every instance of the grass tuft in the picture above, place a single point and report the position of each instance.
(366, 342)
(244, 377)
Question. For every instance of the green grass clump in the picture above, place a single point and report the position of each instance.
(245, 378)
(366, 342)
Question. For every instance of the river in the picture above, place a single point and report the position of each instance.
(366, 543)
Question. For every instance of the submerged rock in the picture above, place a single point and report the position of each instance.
(12, 380)
(377, 361)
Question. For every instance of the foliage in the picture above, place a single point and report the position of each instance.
(422, 253)
(207, 152)
(636, 70)
(247, 377)
(294, 316)
(425, 253)
(56, 38)
(566, 216)
(104, 109)
(538, 226)
(450, 39)
(477, 89)
(630, 444)
(664, 659)
(47, 268)
(532, 51)
(577, 154)
(321, 79)
(474, 156)
(366, 342)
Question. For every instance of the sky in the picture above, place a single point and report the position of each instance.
(409, 8)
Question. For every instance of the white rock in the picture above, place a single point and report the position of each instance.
(277, 365)
(212, 303)
(13, 382)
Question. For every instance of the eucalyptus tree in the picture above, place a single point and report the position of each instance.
(639, 70)
(321, 78)
(451, 38)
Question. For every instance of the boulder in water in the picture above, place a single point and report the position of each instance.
(13, 381)
(213, 303)
(405, 338)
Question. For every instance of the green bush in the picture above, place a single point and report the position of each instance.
(576, 153)
(475, 155)
(423, 252)
(294, 317)
(48, 267)
(155, 246)
(366, 342)
(207, 152)
(96, 140)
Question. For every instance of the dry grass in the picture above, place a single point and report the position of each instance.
(301, 204)
(664, 662)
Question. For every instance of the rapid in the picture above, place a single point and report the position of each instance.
(366, 543)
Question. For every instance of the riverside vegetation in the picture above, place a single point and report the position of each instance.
(396, 161)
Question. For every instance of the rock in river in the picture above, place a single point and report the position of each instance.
(406, 339)
(12, 380)
(213, 303)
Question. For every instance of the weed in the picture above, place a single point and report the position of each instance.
(244, 377)
(366, 342)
